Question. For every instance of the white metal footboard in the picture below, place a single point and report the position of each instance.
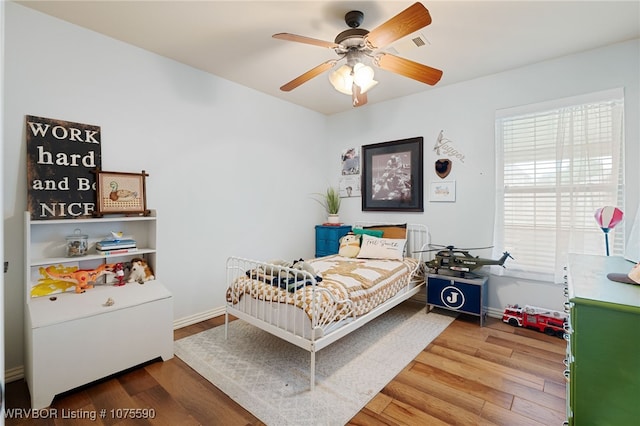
(253, 296)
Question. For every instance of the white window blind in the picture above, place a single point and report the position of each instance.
(556, 166)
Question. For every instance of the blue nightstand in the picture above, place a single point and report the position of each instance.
(328, 239)
(466, 295)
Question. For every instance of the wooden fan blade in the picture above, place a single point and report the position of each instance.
(408, 68)
(357, 97)
(305, 40)
(406, 22)
(308, 75)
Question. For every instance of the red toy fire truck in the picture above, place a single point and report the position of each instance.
(545, 320)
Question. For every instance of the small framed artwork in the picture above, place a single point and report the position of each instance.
(349, 186)
(350, 159)
(392, 176)
(121, 193)
(443, 191)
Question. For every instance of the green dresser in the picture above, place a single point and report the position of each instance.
(603, 351)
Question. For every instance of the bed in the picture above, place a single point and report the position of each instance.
(315, 302)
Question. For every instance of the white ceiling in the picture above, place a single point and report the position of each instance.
(467, 39)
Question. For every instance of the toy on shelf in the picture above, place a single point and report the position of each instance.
(115, 235)
(544, 320)
(140, 271)
(82, 278)
(118, 270)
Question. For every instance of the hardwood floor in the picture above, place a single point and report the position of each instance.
(494, 375)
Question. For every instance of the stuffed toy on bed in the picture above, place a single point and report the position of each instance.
(349, 245)
(274, 273)
(304, 266)
(275, 267)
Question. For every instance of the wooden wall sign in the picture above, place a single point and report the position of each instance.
(61, 158)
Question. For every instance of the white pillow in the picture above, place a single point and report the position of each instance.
(381, 248)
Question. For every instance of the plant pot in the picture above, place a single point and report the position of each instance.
(333, 218)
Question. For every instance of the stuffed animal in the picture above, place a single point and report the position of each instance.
(140, 271)
(276, 267)
(349, 245)
(304, 266)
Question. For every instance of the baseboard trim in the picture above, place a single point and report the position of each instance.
(494, 312)
(14, 374)
(199, 317)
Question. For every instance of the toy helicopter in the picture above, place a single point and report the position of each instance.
(460, 261)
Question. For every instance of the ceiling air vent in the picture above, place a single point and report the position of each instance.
(419, 41)
(410, 43)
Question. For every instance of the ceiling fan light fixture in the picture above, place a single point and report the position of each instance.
(365, 88)
(363, 76)
(342, 79)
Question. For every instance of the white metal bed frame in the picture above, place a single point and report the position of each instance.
(327, 323)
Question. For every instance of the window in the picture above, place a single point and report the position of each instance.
(557, 163)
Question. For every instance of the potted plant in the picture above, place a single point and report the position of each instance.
(330, 200)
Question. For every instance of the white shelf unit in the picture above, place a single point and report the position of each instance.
(76, 339)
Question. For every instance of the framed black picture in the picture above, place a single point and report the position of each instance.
(392, 176)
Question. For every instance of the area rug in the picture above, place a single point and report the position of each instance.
(270, 377)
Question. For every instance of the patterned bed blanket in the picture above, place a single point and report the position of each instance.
(361, 283)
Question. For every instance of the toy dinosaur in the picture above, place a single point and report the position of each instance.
(81, 278)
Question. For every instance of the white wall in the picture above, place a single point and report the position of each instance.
(466, 113)
(219, 156)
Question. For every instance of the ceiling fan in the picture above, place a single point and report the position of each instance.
(355, 45)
